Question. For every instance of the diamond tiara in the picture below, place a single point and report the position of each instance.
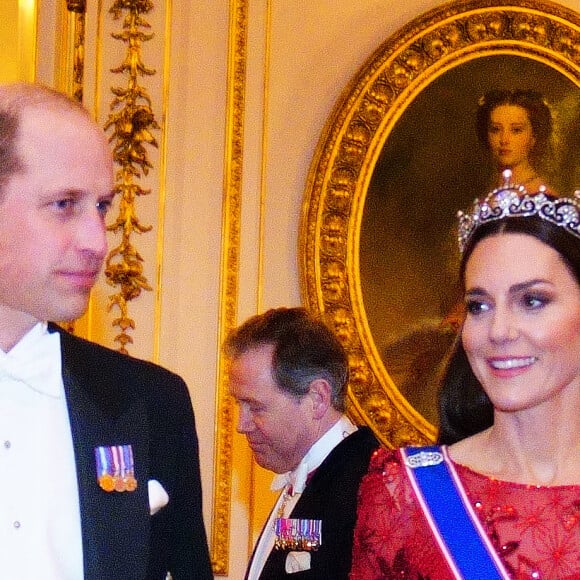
(511, 200)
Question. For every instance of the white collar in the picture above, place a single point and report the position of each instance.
(35, 360)
(315, 456)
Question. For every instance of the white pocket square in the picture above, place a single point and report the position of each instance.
(158, 497)
(297, 562)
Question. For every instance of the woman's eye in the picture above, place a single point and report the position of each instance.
(533, 302)
(476, 307)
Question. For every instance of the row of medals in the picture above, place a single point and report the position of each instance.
(116, 482)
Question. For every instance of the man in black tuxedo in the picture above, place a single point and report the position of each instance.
(99, 453)
(289, 376)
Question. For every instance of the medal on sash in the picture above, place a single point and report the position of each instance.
(297, 534)
(115, 468)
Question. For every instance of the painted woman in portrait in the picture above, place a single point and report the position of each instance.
(516, 127)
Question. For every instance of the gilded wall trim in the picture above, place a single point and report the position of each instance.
(229, 279)
(132, 122)
(78, 9)
(162, 172)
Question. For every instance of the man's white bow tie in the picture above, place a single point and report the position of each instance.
(38, 367)
(295, 480)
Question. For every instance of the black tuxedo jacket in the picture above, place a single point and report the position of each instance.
(330, 496)
(114, 399)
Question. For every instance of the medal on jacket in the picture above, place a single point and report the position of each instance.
(297, 534)
(115, 468)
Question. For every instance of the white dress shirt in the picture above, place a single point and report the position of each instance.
(40, 530)
(296, 480)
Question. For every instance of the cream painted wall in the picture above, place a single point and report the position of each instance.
(9, 46)
(17, 39)
(300, 56)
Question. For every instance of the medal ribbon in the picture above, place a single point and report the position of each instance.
(298, 534)
(115, 468)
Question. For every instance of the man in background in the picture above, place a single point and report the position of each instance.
(289, 377)
(98, 451)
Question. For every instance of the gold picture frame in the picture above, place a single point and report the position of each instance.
(440, 61)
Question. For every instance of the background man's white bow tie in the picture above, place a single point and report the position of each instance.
(296, 480)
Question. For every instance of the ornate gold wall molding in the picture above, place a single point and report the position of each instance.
(229, 282)
(78, 9)
(132, 121)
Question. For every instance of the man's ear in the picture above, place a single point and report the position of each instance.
(320, 393)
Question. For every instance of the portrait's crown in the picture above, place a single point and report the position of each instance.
(511, 200)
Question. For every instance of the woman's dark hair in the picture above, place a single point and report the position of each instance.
(538, 112)
(557, 237)
(464, 408)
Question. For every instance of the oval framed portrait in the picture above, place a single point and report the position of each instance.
(398, 157)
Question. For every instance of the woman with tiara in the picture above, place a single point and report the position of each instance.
(516, 128)
(500, 497)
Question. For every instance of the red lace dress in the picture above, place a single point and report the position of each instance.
(535, 529)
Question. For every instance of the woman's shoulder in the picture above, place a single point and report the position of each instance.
(383, 457)
(479, 462)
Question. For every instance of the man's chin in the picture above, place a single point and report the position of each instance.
(70, 313)
(263, 462)
(269, 466)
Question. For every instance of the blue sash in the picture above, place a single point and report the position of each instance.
(456, 528)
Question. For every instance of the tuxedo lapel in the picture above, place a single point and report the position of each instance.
(115, 525)
(249, 566)
(330, 496)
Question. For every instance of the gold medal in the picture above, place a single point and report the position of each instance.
(107, 482)
(119, 484)
(130, 483)
(115, 468)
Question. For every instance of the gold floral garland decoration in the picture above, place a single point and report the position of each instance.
(132, 121)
